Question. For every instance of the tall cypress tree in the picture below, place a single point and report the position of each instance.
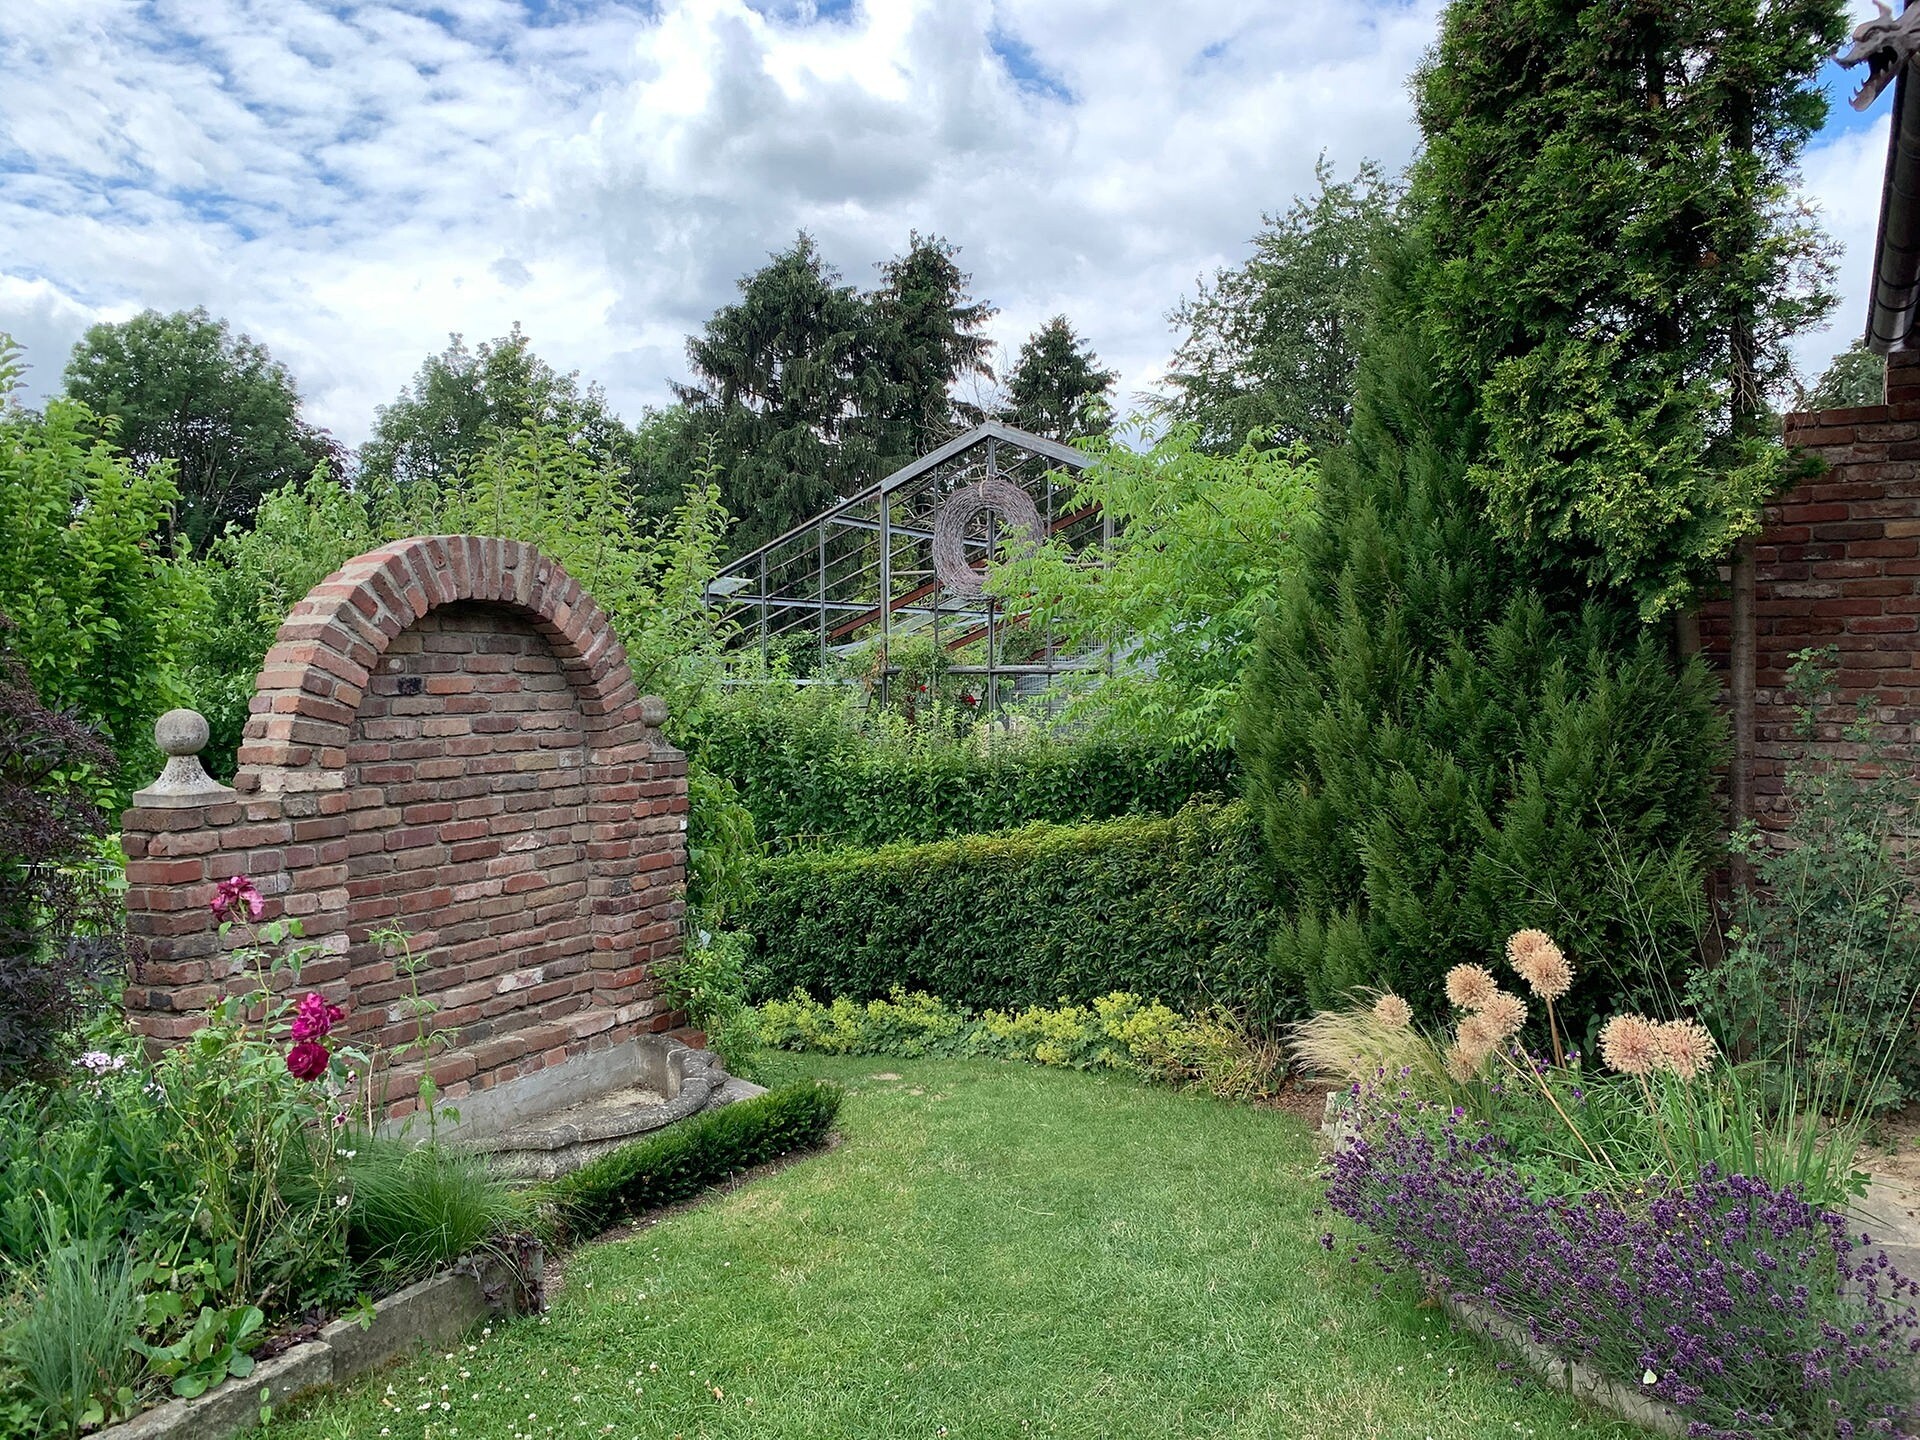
(1460, 723)
(1441, 751)
(1618, 260)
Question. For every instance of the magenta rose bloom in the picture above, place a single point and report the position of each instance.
(307, 1060)
(313, 1017)
(234, 893)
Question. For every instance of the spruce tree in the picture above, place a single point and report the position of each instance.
(926, 332)
(1056, 387)
(786, 380)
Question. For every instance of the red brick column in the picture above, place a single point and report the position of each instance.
(445, 737)
(1838, 564)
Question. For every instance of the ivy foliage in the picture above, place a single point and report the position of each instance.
(98, 606)
(1174, 908)
(816, 772)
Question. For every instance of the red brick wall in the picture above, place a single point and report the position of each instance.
(446, 738)
(1838, 563)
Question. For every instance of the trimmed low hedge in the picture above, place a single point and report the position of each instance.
(693, 1154)
(813, 780)
(1175, 909)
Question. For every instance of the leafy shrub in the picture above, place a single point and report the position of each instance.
(1177, 909)
(814, 772)
(417, 1208)
(1115, 1032)
(98, 605)
(1439, 749)
(709, 983)
(1822, 963)
(690, 1156)
(61, 926)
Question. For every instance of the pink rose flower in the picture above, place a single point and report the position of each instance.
(233, 893)
(307, 1060)
(313, 1017)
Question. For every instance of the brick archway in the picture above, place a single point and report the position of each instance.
(445, 735)
(317, 672)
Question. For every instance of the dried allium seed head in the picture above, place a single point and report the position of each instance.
(1523, 943)
(1685, 1048)
(1470, 986)
(1630, 1044)
(1504, 1014)
(1462, 1066)
(1546, 971)
(1478, 1036)
(1390, 1010)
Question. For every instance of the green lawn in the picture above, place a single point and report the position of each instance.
(995, 1250)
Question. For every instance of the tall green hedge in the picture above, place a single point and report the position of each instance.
(814, 776)
(1172, 908)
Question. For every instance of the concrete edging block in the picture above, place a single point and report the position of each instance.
(434, 1313)
(426, 1316)
(1568, 1376)
(234, 1407)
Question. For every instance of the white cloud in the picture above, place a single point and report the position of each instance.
(1842, 180)
(349, 182)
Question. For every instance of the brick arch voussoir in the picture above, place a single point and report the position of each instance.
(323, 655)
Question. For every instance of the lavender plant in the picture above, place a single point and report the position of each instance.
(1746, 1308)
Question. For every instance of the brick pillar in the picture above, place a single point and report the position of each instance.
(1903, 377)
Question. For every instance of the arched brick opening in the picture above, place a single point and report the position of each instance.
(446, 738)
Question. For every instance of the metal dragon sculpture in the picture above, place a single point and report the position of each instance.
(1884, 45)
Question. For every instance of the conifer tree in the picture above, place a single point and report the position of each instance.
(1441, 753)
(780, 380)
(1056, 387)
(926, 332)
(1619, 258)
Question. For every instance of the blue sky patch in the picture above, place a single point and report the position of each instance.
(1025, 67)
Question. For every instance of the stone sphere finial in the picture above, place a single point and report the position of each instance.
(182, 735)
(181, 732)
(653, 710)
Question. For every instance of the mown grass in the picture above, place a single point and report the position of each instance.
(995, 1250)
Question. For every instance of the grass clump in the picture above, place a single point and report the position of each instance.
(73, 1350)
(418, 1208)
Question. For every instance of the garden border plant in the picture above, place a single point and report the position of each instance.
(1658, 1218)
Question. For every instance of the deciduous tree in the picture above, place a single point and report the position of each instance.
(183, 389)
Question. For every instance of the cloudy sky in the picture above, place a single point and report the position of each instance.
(349, 182)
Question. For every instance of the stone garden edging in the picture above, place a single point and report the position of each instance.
(433, 1313)
(1559, 1373)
